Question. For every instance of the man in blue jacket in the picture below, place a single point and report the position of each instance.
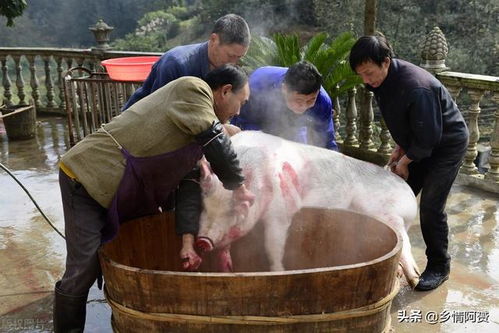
(228, 42)
(290, 103)
(431, 138)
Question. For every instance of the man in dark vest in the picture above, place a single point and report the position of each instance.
(431, 139)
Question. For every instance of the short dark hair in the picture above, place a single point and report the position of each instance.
(370, 48)
(303, 77)
(232, 29)
(227, 74)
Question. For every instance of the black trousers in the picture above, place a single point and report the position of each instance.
(83, 220)
(433, 178)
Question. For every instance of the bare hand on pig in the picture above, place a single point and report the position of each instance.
(189, 257)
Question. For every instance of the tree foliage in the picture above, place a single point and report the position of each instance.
(11, 9)
(470, 26)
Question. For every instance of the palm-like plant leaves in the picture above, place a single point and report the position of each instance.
(262, 52)
(288, 49)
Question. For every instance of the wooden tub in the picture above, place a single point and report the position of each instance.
(340, 277)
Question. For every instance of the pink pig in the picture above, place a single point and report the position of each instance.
(286, 176)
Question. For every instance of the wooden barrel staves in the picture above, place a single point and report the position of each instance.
(19, 121)
(339, 277)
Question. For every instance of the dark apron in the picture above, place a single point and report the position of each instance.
(147, 184)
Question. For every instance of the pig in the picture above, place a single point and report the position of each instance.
(287, 176)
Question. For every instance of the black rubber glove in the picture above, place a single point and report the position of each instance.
(218, 150)
(188, 204)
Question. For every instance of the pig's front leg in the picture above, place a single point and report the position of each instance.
(275, 241)
(225, 260)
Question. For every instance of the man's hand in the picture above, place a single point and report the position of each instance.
(395, 156)
(402, 167)
(189, 257)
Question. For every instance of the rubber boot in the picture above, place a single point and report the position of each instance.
(69, 312)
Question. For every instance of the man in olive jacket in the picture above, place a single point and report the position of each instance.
(131, 165)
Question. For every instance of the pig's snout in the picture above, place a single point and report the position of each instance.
(204, 244)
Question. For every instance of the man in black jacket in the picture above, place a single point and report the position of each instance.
(430, 135)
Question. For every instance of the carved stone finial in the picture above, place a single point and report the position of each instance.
(102, 32)
(434, 51)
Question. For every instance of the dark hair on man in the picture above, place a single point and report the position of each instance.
(303, 77)
(232, 29)
(227, 74)
(370, 48)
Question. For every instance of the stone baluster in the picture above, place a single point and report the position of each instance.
(19, 80)
(366, 121)
(454, 91)
(80, 61)
(49, 83)
(471, 153)
(69, 63)
(336, 118)
(60, 81)
(351, 116)
(385, 146)
(35, 92)
(493, 173)
(7, 94)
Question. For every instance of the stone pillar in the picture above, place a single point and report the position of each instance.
(434, 50)
(102, 33)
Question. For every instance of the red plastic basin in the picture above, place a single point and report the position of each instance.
(129, 68)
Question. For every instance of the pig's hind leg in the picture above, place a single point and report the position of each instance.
(407, 263)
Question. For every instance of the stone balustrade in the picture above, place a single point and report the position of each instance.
(36, 74)
(477, 88)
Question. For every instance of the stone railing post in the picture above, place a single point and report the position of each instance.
(7, 94)
(493, 173)
(454, 91)
(102, 33)
(366, 121)
(434, 51)
(385, 137)
(351, 116)
(474, 111)
(35, 93)
(19, 80)
(49, 84)
(336, 118)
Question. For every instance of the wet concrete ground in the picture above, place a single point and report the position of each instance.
(32, 255)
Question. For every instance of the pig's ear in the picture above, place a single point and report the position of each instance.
(206, 179)
(204, 166)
